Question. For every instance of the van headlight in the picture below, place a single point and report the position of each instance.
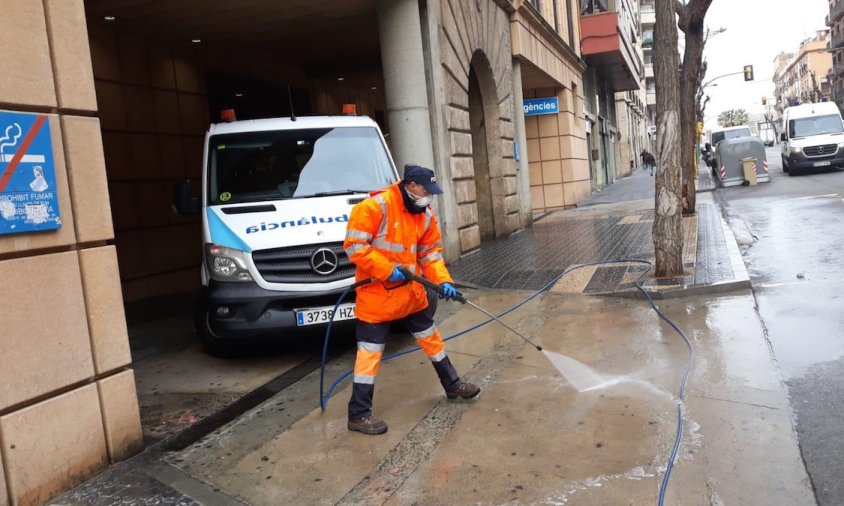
(226, 264)
(796, 150)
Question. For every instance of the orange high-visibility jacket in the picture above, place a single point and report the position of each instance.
(381, 234)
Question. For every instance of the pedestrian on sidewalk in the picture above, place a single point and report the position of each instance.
(648, 161)
(396, 227)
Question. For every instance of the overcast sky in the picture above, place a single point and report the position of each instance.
(757, 30)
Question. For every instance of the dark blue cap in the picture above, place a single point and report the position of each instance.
(423, 176)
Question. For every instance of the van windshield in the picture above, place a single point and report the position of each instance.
(815, 125)
(283, 164)
(726, 135)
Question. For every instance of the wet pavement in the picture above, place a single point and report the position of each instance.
(531, 437)
(790, 231)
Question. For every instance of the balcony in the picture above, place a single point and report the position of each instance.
(838, 40)
(835, 13)
(649, 70)
(651, 99)
(648, 18)
(605, 47)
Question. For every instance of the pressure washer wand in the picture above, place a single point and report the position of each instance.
(461, 299)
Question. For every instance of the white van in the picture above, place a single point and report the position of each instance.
(812, 138)
(276, 197)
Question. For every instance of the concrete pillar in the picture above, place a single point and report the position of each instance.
(405, 85)
(523, 178)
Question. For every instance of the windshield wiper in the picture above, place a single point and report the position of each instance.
(333, 193)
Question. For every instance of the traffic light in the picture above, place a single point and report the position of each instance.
(764, 100)
(748, 72)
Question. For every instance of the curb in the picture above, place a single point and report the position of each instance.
(740, 281)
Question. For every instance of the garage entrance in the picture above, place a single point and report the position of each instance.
(163, 71)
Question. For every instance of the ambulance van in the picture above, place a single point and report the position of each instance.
(276, 198)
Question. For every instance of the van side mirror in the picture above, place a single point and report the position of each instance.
(183, 200)
(783, 137)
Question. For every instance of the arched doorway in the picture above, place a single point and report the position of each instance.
(486, 146)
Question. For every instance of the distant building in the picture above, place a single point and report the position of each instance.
(835, 20)
(804, 77)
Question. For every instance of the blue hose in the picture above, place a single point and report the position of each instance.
(324, 396)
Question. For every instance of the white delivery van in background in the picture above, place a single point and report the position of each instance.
(276, 197)
(812, 138)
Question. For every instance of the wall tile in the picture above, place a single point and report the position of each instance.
(553, 195)
(68, 34)
(44, 336)
(88, 184)
(111, 105)
(537, 197)
(162, 73)
(187, 74)
(53, 445)
(535, 173)
(549, 148)
(118, 155)
(548, 125)
(166, 112)
(171, 158)
(119, 404)
(104, 306)
(145, 156)
(27, 76)
(104, 53)
(531, 127)
(552, 172)
(533, 152)
(66, 234)
(140, 109)
(133, 60)
(193, 110)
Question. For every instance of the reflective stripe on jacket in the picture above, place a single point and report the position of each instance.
(381, 234)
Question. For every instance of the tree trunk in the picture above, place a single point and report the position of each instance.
(667, 229)
(691, 19)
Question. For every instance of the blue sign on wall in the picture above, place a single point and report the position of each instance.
(28, 193)
(536, 106)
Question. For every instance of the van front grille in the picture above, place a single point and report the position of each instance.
(313, 263)
(825, 150)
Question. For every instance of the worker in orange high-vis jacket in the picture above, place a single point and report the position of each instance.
(397, 227)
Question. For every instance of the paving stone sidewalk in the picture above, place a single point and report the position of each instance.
(611, 226)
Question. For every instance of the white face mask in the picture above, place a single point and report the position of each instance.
(420, 201)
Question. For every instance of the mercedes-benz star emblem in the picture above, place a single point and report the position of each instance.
(324, 261)
(820, 149)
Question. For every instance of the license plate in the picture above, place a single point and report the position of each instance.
(317, 315)
(822, 164)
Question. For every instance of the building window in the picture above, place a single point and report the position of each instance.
(648, 38)
(536, 4)
(593, 6)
